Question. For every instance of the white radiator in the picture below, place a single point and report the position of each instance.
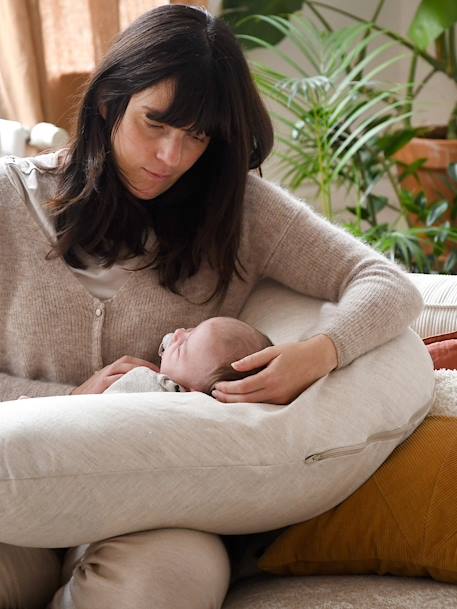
(15, 137)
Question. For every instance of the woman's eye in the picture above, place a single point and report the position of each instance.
(154, 125)
(200, 137)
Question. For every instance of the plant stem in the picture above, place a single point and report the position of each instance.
(410, 90)
(327, 199)
(393, 207)
(325, 189)
(452, 53)
(378, 10)
(321, 18)
(392, 180)
(432, 72)
(363, 52)
(452, 125)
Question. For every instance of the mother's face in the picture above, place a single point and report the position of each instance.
(152, 156)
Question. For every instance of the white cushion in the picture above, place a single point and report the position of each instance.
(439, 315)
(76, 469)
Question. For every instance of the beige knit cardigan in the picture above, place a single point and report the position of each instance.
(54, 334)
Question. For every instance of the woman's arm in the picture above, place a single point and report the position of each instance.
(372, 300)
(369, 299)
(11, 387)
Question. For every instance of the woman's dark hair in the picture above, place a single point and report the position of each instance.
(200, 215)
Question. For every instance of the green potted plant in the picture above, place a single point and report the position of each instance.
(433, 150)
(337, 120)
(332, 110)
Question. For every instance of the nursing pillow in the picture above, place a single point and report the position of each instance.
(77, 469)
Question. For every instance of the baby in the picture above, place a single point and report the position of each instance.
(197, 358)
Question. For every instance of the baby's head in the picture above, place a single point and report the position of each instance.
(199, 357)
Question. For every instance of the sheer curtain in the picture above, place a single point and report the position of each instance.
(48, 47)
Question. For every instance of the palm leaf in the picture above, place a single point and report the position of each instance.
(333, 113)
(361, 141)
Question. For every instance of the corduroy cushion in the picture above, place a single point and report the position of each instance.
(440, 304)
(443, 350)
(402, 521)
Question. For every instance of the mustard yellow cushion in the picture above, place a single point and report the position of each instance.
(402, 521)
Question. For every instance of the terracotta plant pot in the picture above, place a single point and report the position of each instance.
(432, 178)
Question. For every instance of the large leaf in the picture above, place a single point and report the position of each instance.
(432, 18)
(234, 13)
(451, 263)
(436, 212)
(393, 142)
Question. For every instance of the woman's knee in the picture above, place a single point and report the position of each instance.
(159, 569)
(29, 577)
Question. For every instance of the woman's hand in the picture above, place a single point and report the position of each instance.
(102, 379)
(290, 369)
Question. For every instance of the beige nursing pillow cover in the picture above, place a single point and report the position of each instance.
(76, 469)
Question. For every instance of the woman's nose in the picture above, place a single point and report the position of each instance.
(170, 150)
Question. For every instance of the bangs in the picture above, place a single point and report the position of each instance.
(197, 105)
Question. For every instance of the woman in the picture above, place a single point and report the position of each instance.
(151, 220)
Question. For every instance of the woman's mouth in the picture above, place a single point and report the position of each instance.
(157, 176)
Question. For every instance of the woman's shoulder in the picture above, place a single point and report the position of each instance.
(268, 213)
(9, 193)
(28, 176)
(41, 163)
(270, 202)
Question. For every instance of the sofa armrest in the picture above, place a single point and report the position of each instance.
(439, 315)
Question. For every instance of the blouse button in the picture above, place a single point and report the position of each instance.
(98, 312)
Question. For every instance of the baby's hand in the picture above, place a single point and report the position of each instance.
(104, 378)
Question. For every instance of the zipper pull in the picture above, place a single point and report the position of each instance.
(313, 458)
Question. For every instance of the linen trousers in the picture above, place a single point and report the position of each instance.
(156, 569)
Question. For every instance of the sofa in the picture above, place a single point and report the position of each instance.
(265, 591)
(41, 477)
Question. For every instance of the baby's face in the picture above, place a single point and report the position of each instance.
(190, 356)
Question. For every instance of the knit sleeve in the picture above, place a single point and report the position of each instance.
(11, 387)
(370, 300)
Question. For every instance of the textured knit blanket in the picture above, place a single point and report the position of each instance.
(445, 401)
